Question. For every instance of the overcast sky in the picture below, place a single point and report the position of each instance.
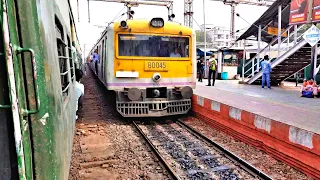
(102, 12)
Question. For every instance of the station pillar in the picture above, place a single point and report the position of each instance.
(219, 70)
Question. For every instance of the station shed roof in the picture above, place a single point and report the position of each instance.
(269, 17)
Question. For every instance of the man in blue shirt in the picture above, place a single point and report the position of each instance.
(96, 60)
(175, 53)
(266, 70)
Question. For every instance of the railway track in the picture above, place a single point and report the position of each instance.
(187, 154)
(107, 146)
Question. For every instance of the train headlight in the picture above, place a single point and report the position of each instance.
(186, 92)
(134, 94)
(156, 77)
(123, 24)
(156, 93)
(157, 22)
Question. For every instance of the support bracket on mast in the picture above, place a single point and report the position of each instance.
(131, 3)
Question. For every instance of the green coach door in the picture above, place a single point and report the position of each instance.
(8, 155)
(15, 109)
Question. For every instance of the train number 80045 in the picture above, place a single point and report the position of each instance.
(154, 65)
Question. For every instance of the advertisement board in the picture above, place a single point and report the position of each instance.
(298, 11)
(316, 11)
(274, 31)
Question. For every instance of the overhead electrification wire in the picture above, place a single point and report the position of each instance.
(250, 23)
(117, 16)
(197, 23)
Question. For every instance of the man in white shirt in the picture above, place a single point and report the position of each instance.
(79, 90)
(175, 53)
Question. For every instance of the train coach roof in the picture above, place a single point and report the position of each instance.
(143, 26)
(269, 16)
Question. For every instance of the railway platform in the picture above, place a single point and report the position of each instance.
(278, 121)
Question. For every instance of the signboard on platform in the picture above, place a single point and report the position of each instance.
(316, 11)
(298, 11)
(274, 31)
(312, 35)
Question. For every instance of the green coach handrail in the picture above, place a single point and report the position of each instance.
(4, 106)
(22, 50)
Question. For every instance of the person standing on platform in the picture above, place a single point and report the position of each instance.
(212, 70)
(96, 60)
(200, 69)
(266, 70)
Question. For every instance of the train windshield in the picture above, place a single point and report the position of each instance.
(153, 46)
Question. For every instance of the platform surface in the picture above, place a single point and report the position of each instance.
(282, 104)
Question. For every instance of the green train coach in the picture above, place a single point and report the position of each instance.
(39, 53)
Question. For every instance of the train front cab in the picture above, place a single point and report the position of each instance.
(153, 83)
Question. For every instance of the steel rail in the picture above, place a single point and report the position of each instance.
(154, 149)
(237, 160)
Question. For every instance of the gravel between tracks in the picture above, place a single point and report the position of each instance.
(187, 153)
(128, 155)
(276, 169)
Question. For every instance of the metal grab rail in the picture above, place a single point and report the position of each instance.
(66, 73)
(273, 41)
(273, 48)
(318, 69)
(268, 46)
(66, 88)
(284, 56)
(285, 39)
(298, 38)
(260, 59)
(34, 67)
(63, 57)
(72, 78)
(5, 106)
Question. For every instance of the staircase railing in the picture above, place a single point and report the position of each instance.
(280, 59)
(297, 71)
(290, 40)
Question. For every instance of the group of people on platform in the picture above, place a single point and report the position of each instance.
(309, 89)
(212, 64)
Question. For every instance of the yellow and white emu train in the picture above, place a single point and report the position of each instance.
(151, 65)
